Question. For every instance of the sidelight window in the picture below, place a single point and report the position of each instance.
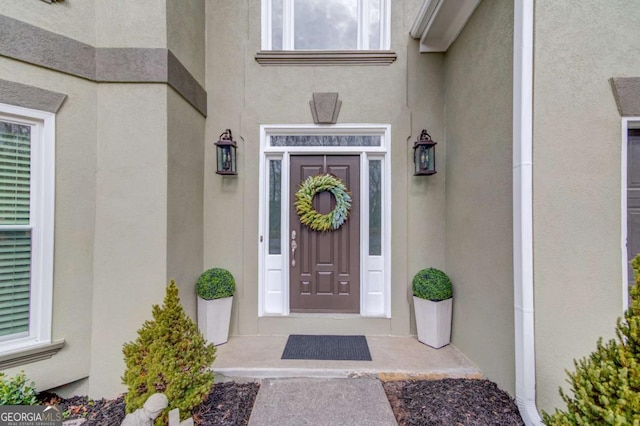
(375, 207)
(275, 205)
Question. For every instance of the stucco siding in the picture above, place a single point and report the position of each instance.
(426, 195)
(185, 34)
(479, 253)
(129, 177)
(185, 156)
(124, 23)
(243, 94)
(75, 145)
(74, 19)
(579, 46)
(130, 256)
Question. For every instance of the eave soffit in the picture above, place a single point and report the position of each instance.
(439, 22)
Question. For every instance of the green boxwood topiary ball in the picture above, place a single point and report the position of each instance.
(215, 283)
(432, 284)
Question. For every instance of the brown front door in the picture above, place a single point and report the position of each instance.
(325, 276)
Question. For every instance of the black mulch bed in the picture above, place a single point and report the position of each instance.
(228, 404)
(451, 402)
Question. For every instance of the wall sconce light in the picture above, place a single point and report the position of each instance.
(424, 155)
(226, 154)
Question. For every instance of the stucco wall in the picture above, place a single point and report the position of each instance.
(479, 233)
(185, 127)
(129, 184)
(576, 170)
(148, 216)
(74, 19)
(130, 257)
(426, 195)
(124, 23)
(74, 222)
(185, 147)
(243, 94)
(185, 34)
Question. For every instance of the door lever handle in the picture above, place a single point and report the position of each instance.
(294, 246)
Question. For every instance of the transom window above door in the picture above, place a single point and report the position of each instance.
(325, 25)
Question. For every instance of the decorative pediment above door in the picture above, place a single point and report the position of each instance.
(325, 108)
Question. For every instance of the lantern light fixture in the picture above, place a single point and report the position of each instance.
(424, 155)
(227, 163)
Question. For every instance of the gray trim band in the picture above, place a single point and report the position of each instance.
(329, 57)
(25, 96)
(33, 354)
(184, 83)
(626, 91)
(28, 43)
(129, 65)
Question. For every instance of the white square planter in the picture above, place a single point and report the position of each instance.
(214, 317)
(433, 321)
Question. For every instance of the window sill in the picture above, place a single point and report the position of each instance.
(326, 57)
(30, 354)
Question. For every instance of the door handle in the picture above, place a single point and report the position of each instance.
(294, 246)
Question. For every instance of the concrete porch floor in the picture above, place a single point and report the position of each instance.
(393, 358)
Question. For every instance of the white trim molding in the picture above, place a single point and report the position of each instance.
(523, 212)
(439, 23)
(627, 124)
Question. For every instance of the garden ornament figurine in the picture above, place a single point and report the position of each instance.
(147, 414)
(174, 419)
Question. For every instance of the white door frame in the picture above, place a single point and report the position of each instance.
(273, 270)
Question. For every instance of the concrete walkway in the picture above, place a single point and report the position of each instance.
(315, 392)
(327, 393)
(321, 402)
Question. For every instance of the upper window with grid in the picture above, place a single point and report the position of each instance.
(325, 25)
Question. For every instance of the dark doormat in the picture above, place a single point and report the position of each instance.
(334, 348)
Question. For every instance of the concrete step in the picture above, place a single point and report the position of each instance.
(393, 358)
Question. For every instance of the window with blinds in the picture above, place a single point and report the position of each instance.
(15, 229)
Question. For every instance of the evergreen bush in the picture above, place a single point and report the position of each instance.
(215, 283)
(606, 384)
(16, 391)
(432, 284)
(169, 356)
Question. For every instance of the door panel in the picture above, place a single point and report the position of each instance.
(325, 276)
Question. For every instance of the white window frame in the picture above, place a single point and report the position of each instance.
(41, 224)
(273, 293)
(288, 26)
(627, 124)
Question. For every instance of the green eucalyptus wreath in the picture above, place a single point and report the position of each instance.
(304, 203)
